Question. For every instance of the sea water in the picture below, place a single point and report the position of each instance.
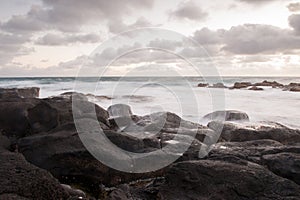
(176, 94)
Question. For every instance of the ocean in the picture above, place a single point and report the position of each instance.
(179, 95)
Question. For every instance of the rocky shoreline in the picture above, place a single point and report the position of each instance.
(42, 156)
(292, 87)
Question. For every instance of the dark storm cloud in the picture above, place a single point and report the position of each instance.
(190, 11)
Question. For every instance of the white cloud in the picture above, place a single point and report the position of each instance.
(189, 11)
(294, 21)
(62, 40)
(118, 26)
(294, 7)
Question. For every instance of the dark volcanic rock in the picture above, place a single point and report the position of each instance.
(205, 179)
(218, 85)
(285, 164)
(63, 154)
(157, 122)
(32, 92)
(255, 88)
(249, 150)
(239, 85)
(21, 117)
(120, 116)
(42, 117)
(84, 108)
(227, 115)
(280, 159)
(14, 116)
(295, 89)
(203, 85)
(119, 110)
(246, 132)
(21, 180)
(146, 190)
(273, 84)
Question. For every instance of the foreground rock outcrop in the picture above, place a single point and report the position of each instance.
(41, 153)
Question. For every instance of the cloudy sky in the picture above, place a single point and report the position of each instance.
(58, 37)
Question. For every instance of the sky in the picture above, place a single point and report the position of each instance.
(75, 37)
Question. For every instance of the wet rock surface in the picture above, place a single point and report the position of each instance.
(41, 154)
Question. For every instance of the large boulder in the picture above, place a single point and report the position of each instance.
(238, 179)
(85, 109)
(22, 117)
(233, 132)
(227, 115)
(119, 110)
(32, 92)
